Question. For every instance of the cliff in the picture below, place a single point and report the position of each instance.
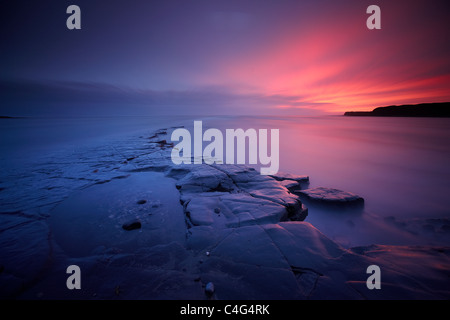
(418, 110)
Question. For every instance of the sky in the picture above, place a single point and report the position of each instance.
(271, 57)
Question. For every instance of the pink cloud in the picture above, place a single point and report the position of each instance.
(338, 65)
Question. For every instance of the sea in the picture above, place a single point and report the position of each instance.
(400, 166)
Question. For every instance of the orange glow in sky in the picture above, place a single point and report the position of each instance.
(230, 57)
(333, 63)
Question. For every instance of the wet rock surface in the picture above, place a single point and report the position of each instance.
(205, 230)
(331, 195)
(131, 225)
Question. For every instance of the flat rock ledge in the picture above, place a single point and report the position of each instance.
(207, 231)
(226, 196)
(331, 195)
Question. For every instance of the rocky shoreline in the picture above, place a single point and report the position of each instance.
(141, 227)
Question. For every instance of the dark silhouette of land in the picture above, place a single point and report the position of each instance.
(9, 117)
(438, 110)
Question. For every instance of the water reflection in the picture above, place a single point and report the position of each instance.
(398, 165)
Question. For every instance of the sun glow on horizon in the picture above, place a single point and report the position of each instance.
(338, 65)
(234, 57)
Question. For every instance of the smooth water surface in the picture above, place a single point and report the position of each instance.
(400, 166)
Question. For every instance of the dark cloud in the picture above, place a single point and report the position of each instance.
(64, 98)
(220, 57)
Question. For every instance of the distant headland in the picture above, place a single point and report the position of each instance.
(9, 117)
(438, 110)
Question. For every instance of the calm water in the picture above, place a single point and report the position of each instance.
(399, 165)
(22, 139)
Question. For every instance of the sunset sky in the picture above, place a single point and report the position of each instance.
(221, 57)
